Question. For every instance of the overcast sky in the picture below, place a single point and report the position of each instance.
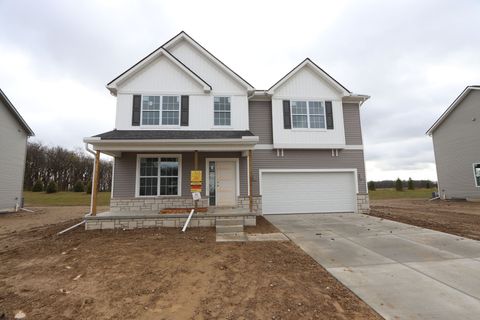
(412, 57)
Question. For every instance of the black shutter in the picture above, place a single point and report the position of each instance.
(329, 114)
(287, 123)
(137, 99)
(184, 111)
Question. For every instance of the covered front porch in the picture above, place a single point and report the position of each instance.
(152, 181)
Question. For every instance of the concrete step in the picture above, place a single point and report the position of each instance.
(231, 237)
(229, 229)
(229, 221)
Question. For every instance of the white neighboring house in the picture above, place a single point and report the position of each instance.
(14, 132)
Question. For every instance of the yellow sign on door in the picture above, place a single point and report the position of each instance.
(196, 181)
(196, 176)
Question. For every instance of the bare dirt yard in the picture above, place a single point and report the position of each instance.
(159, 274)
(456, 217)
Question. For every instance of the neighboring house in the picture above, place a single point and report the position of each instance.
(14, 133)
(456, 143)
(294, 148)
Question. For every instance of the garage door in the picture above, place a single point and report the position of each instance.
(308, 192)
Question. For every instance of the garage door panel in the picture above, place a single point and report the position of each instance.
(308, 192)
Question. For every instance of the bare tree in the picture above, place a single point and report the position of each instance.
(63, 166)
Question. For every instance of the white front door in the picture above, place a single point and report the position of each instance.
(225, 183)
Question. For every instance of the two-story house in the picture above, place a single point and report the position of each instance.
(294, 148)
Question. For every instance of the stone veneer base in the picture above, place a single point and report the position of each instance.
(363, 203)
(154, 221)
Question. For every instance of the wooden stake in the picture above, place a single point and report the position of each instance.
(196, 159)
(96, 171)
(250, 179)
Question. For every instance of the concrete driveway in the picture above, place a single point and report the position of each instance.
(401, 271)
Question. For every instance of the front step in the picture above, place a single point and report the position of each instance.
(229, 228)
(232, 237)
(229, 221)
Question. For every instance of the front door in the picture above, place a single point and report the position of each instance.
(225, 183)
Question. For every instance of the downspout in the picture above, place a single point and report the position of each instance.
(89, 150)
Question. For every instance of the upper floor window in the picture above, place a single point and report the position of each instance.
(308, 114)
(222, 111)
(161, 109)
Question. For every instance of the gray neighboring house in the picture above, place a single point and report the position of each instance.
(456, 143)
(14, 133)
(293, 148)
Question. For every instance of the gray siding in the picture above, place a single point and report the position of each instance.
(125, 172)
(353, 127)
(457, 146)
(260, 120)
(309, 159)
(13, 143)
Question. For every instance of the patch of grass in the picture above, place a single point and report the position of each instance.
(382, 194)
(42, 199)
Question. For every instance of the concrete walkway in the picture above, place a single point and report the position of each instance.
(401, 271)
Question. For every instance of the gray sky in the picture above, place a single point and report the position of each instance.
(412, 57)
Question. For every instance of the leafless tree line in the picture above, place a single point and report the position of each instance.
(63, 166)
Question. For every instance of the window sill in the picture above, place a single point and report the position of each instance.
(157, 197)
(221, 127)
(160, 127)
(308, 130)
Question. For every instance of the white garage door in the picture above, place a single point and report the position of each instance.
(308, 192)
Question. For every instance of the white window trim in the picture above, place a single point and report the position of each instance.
(237, 174)
(474, 174)
(164, 155)
(160, 125)
(308, 115)
(220, 126)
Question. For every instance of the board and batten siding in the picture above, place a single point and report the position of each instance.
(126, 166)
(353, 127)
(309, 159)
(457, 146)
(13, 144)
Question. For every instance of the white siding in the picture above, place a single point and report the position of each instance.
(201, 114)
(307, 85)
(161, 76)
(307, 138)
(13, 141)
(221, 82)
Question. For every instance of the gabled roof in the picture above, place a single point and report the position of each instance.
(183, 35)
(319, 71)
(450, 109)
(15, 113)
(112, 85)
(164, 49)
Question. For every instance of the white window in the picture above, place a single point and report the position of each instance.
(308, 114)
(160, 109)
(476, 173)
(159, 176)
(222, 111)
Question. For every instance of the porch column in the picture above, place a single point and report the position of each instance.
(250, 179)
(96, 170)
